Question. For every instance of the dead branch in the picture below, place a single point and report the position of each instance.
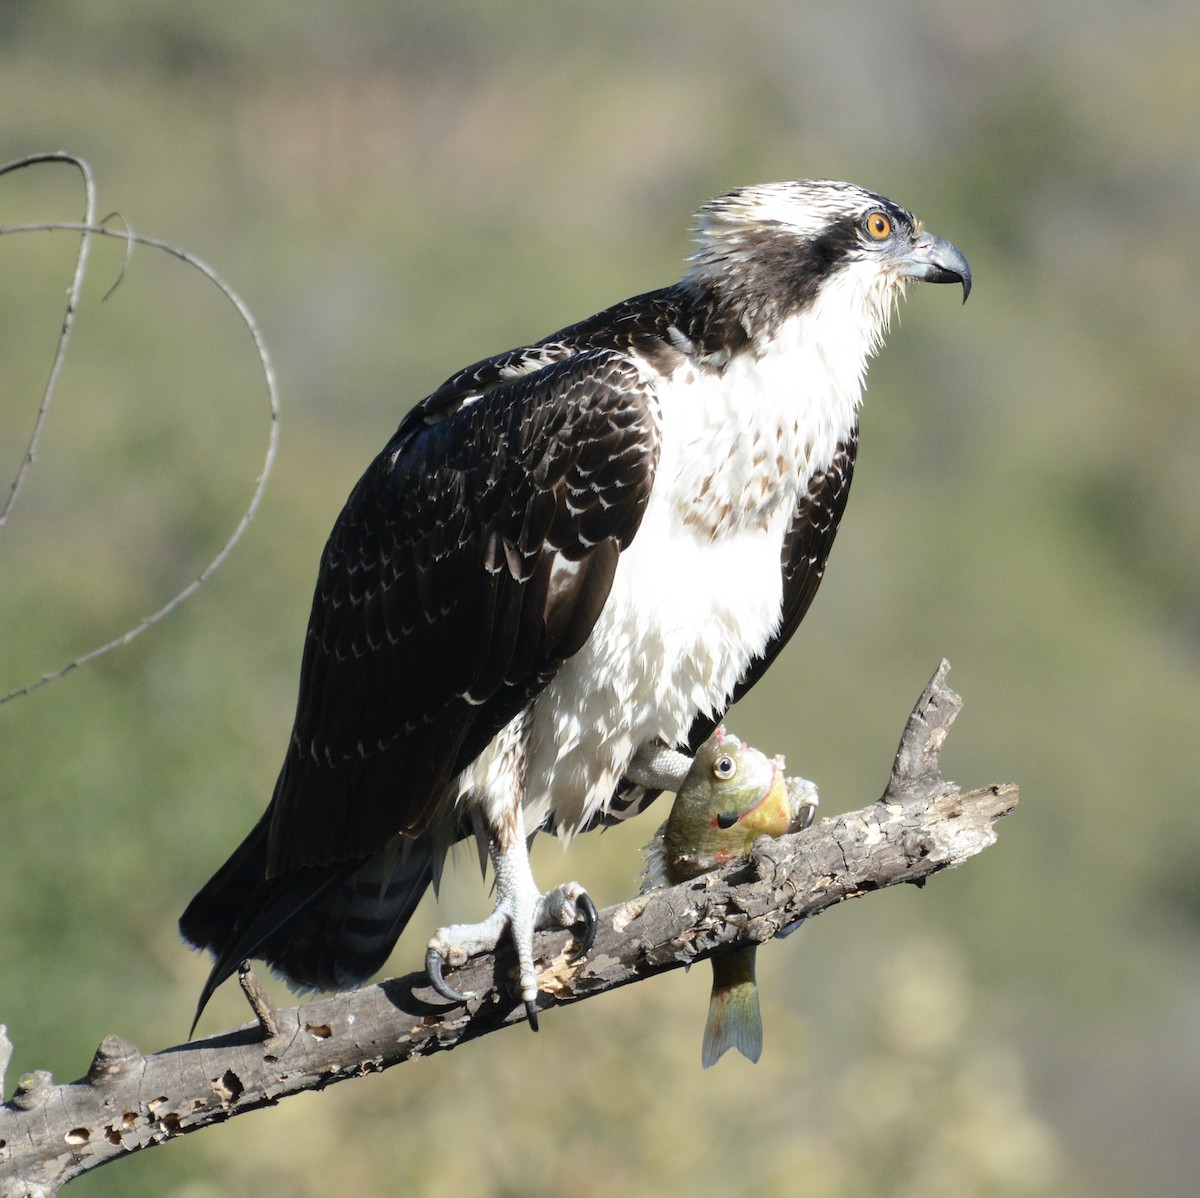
(51, 1133)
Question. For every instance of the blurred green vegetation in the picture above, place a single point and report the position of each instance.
(398, 189)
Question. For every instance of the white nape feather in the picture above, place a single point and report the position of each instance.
(805, 207)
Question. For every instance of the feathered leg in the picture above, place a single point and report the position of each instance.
(521, 909)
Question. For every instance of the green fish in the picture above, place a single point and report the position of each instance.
(732, 795)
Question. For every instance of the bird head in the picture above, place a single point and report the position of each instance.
(774, 250)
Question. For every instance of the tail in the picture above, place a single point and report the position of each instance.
(321, 927)
(734, 1020)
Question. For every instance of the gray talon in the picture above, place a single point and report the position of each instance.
(433, 968)
(590, 918)
(531, 1013)
(789, 928)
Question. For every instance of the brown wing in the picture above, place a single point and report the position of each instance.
(469, 562)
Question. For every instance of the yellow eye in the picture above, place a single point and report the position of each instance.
(879, 226)
(724, 767)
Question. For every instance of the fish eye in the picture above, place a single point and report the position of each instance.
(879, 226)
(724, 767)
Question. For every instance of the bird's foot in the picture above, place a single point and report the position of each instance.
(564, 907)
(521, 910)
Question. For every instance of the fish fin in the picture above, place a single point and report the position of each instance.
(654, 872)
(734, 1018)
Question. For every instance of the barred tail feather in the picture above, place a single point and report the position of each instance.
(319, 928)
(734, 1019)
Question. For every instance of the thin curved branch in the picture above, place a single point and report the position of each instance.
(129, 1101)
(64, 336)
(126, 234)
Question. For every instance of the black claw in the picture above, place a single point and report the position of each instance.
(590, 918)
(433, 968)
(531, 1014)
(789, 928)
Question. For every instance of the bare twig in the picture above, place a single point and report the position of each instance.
(64, 336)
(89, 228)
(127, 1102)
(266, 1012)
(5, 1054)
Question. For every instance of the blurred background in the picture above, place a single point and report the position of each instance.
(398, 189)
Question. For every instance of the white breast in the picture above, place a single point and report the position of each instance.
(698, 594)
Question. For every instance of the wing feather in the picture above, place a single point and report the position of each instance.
(444, 602)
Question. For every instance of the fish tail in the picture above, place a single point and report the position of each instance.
(734, 1019)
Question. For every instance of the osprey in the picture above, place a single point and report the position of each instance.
(566, 564)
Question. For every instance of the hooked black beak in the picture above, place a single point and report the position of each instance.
(936, 260)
